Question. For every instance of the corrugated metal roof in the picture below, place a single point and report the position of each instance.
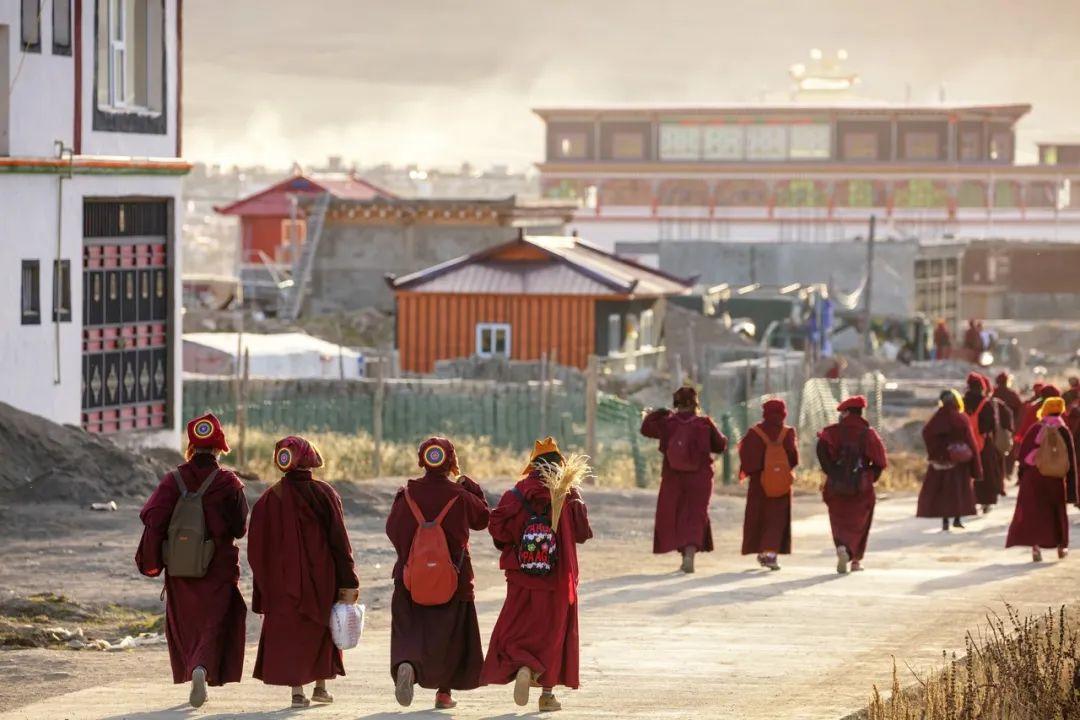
(565, 266)
(274, 200)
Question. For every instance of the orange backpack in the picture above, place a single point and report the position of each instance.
(430, 576)
(980, 439)
(776, 475)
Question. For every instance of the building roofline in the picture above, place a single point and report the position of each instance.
(1016, 110)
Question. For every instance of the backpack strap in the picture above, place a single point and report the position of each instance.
(175, 475)
(419, 516)
(524, 503)
(446, 508)
(766, 439)
(206, 483)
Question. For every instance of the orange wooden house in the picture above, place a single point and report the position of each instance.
(555, 295)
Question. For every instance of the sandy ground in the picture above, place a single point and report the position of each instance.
(731, 641)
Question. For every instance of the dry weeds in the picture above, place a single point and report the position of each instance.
(1016, 668)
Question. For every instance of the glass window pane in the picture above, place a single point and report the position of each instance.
(810, 141)
(766, 142)
(62, 23)
(680, 142)
(724, 142)
(31, 24)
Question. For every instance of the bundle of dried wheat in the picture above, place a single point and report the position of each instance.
(561, 478)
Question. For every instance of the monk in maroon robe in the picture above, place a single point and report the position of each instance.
(942, 341)
(947, 490)
(1072, 395)
(851, 442)
(687, 441)
(986, 414)
(301, 563)
(767, 522)
(1005, 393)
(1040, 519)
(205, 617)
(437, 647)
(1030, 414)
(535, 640)
(973, 342)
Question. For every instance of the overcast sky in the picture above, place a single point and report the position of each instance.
(437, 82)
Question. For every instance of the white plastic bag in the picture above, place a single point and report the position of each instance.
(347, 624)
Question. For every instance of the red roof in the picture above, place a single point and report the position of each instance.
(557, 265)
(274, 200)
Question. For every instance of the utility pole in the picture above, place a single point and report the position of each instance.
(868, 290)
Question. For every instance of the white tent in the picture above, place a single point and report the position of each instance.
(280, 355)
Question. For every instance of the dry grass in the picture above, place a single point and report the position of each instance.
(349, 457)
(904, 474)
(1015, 669)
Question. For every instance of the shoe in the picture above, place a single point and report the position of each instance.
(957, 524)
(443, 701)
(771, 563)
(987, 509)
(688, 561)
(321, 695)
(761, 559)
(944, 524)
(198, 687)
(299, 701)
(1063, 552)
(522, 683)
(403, 686)
(842, 559)
(1036, 555)
(856, 566)
(548, 703)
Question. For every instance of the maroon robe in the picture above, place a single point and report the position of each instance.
(1015, 404)
(947, 490)
(682, 505)
(994, 464)
(538, 625)
(442, 642)
(205, 618)
(1040, 518)
(300, 555)
(767, 522)
(850, 516)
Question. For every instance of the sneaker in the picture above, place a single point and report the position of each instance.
(987, 509)
(771, 563)
(842, 559)
(299, 701)
(198, 687)
(443, 701)
(321, 695)
(403, 687)
(1036, 555)
(957, 524)
(761, 559)
(522, 683)
(688, 561)
(548, 703)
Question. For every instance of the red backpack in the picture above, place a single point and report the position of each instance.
(684, 451)
(430, 576)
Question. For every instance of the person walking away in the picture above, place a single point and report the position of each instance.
(434, 634)
(1030, 414)
(1048, 480)
(535, 640)
(768, 456)
(1004, 392)
(942, 341)
(205, 614)
(852, 457)
(973, 343)
(688, 441)
(992, 426)
(1072, 395)
(953, 462)
(301, 563)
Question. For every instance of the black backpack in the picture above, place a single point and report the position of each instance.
(538, 549)
(845, 475)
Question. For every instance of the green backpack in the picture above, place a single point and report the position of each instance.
(187, 551)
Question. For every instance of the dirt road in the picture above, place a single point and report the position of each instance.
(732, 641)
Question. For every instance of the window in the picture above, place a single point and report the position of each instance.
(647, 337)
(860, 145)
(31, 25)
(614, 334)
(493, 340)
(680, 142)
(922, 145)
(61, 291)
(971, 145)
(130, 62)
(724, 142)
(1050, 155)
(628, 145)
(61, 27)
(766, 142)
(572, 145)
(810, 142)
(31, 292)
(860, 193)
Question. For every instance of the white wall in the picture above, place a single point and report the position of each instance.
(42, 94)
(28, 353)
(128, 144)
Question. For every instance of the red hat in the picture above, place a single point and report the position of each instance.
(296, 453)
(857, 402)
(775, 408)
(684, 396)
(438, 455)
(205, 432)
(1049, 391)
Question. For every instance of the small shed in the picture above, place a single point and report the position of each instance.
(275, 355)
(537, 294)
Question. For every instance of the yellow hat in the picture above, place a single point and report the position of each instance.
(1052, 406)
(541, 448)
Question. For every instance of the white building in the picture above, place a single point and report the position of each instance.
(90, 213)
